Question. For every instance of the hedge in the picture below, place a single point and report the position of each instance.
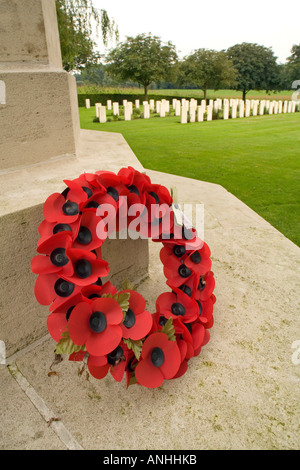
(103, 97)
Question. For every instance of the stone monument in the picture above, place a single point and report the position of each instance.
(41, 144)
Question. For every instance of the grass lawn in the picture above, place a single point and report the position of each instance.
(257, 159)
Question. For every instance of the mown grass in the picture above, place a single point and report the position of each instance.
(256, 158)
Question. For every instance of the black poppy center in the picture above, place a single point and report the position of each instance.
(88, 191)
(61, 228)
(201, 284)
(92, 205)
(113, 193)
(196, 257)
(63, 288)
(162, 320)
(98, 282)
(84, 236)
(157, 357)
(70, 208)
(129, 320)
(58, 257)
(69, 311)
(179, 250)
(177, 309)
(83, 268)
(155, 196)
(184, 271)
(115, 355)
(186, 289)
(200, 306)
(133, 189)
(98, 322)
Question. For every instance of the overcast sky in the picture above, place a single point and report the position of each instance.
(191, 24)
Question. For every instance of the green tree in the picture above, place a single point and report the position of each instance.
(256, 67)
(143, 59)
(77, 20)
(293, 65)
(207, 69)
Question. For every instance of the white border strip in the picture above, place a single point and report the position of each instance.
(58, 427)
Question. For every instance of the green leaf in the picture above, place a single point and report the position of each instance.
(169, 329)
(136, 346)
(127, 285)
(123, 301)
(132, 380)
(66, 345)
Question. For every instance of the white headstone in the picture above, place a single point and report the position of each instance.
(97, 107)
(108, 104)
(279, 106)
(124, 102)
(247, 108)
(127, 112)
(275, 110)
(226, 111)
(254, 108)
(271, 107)
(241, 109)
(137, 103)
(285, 106)
(152, 105)
(233, 110)
(162, 111)
(87, 103)
(200, 113)
(203, 103)
(116, 108)
(177, 108)
(184, 112)
(209, 111)
(158, 105)
(102, 114)
(192, 114)
(262, 107)
(146, 110)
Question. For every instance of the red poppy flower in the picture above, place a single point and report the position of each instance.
(91, 226)
(178, 306)
(206, 308)
(199, 260)
(53, 290)
(48, 229)
(87, 268)
(137, 322)
(98, 366)
(96, 325)
(206, 286)
(56, 259)
(65, 207)
(160, 359)
(135, 182)
(155, 222)
(96, 290)
(57, 321)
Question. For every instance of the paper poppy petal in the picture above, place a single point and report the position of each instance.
(172, 360)
(148, 375)
(99, 344)
(137, 303)
(99, 372)
(142, 326)
(156, 340)
(97, 360)
(44, 288)
(110, 308)
(41, 264)
(182, 370)
(57, 324)
(198, 333)
(118, 370)
(79, 328)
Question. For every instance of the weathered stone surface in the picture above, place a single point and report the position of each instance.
(241, 392)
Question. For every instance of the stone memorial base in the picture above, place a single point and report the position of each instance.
(241, 392)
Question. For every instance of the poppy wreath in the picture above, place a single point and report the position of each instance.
(90, 320)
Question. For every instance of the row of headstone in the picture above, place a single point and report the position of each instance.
(189, 110)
